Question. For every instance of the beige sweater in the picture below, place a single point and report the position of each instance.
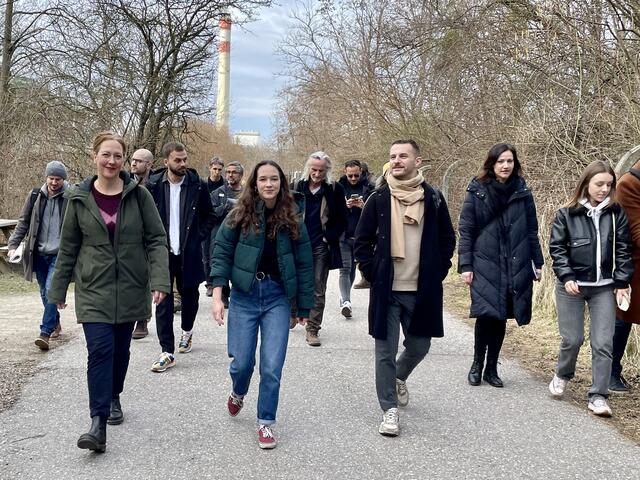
(405, 271)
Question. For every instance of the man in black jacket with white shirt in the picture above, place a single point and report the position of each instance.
(182, 199)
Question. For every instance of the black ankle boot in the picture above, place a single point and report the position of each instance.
(491, 374)
(116, 417)
(475, 374)
(96, 438)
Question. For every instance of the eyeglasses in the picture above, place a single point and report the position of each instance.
(355, 175)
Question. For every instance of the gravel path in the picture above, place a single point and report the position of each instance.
(177, 426)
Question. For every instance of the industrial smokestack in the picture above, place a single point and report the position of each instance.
(224, 73)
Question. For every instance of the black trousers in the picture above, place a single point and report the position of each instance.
(620, 339)
(206, 259)
(489, 335)
(107, 363)
(164, 311)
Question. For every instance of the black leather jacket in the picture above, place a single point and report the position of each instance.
(573, 246)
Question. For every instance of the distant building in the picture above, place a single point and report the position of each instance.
(247, 139)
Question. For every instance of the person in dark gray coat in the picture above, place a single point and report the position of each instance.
(39, 226)
(499, 255)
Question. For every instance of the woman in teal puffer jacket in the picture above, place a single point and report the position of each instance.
(264, 250)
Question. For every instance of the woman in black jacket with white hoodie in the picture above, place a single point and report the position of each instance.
(591, 258)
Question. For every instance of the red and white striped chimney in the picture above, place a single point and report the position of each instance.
(224, 73)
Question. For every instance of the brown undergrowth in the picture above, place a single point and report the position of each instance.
(535, 347)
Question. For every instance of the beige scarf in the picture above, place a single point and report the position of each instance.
(406, 207)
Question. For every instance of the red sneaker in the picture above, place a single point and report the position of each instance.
(266, 439)
(234, 404)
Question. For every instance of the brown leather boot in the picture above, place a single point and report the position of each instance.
(141, 330)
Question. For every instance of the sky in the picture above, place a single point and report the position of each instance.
(254, 69)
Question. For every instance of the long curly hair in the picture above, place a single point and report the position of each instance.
(285, 213)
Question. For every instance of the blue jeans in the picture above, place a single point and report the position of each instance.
(266, 308)
(348, 270)
(43, 267)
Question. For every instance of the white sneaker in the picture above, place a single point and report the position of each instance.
(599, 406)
(390, 425)
(557, 386)
(164, 361)
(346, 309)
(402, 393)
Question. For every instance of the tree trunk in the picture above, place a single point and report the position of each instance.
(7, 52)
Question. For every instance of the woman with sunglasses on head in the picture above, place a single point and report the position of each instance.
(591, 252)
(114, 247)
(499, 255)
(263, 248)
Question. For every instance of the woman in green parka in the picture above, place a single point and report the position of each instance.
(114, 247)
(263, 248)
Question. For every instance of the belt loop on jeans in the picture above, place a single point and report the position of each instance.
(261, 275)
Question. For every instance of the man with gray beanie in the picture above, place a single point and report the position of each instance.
(39, 225)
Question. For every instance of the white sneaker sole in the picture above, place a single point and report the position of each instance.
(601, 412)
(185, 350)
(388, 432)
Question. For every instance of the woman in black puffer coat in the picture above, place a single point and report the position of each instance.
(499, 255)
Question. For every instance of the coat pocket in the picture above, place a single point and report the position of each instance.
(580, 253)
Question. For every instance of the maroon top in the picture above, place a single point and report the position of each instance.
(108, 206)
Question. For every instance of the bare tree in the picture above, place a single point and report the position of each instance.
(143, 68)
